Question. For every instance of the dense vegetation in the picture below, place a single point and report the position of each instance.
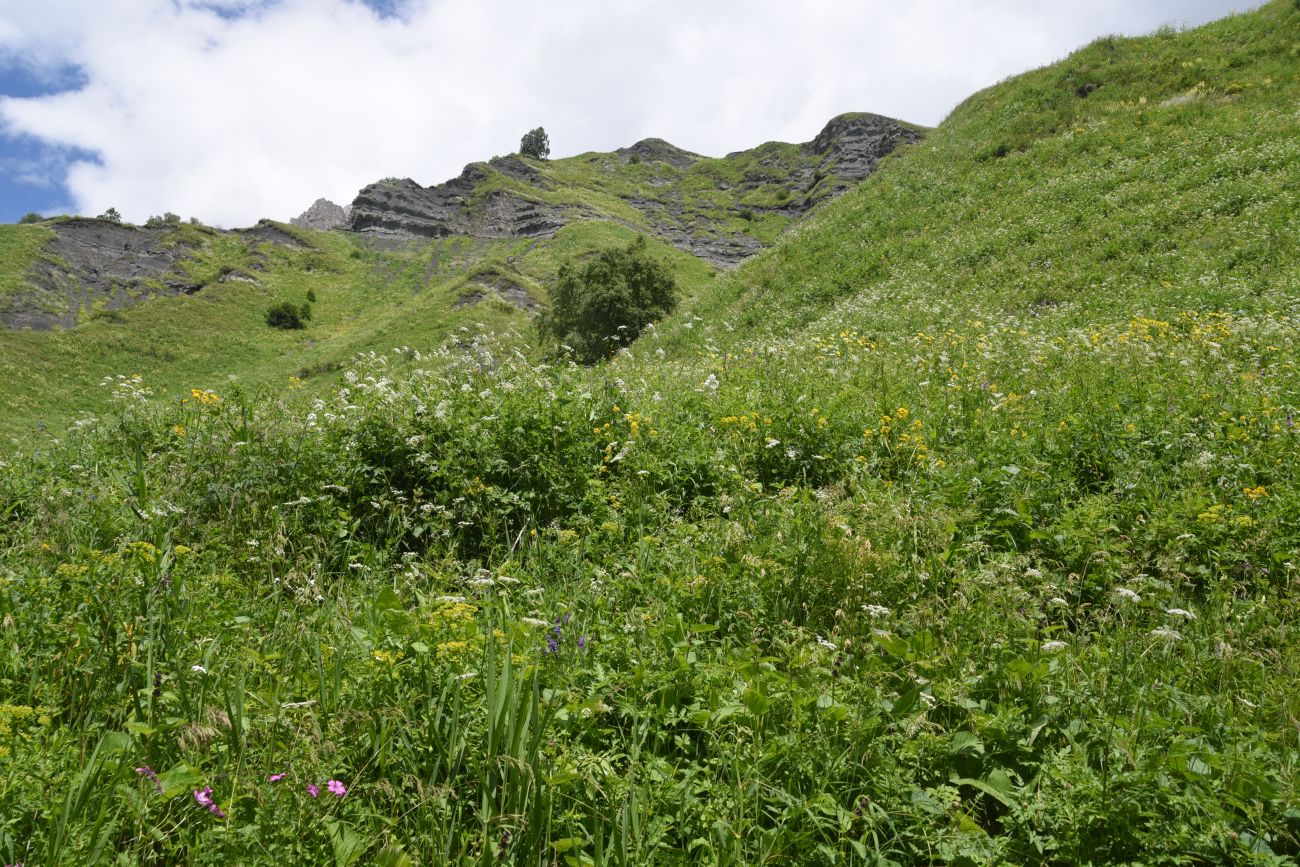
(602, 305)
(370, 297)
(960, 528)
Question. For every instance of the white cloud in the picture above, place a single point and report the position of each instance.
(195, 108)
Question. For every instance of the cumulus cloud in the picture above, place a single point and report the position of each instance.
(235, 109)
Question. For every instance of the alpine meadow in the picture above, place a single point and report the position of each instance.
(951, 516)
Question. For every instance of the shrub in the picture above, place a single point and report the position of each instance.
(167, 219)
(111, 215)
(31, 217)
(600, 306)
(288, 316)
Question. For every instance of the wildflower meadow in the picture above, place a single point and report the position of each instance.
(962, 533)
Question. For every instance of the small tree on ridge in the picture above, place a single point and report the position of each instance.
(535, 144)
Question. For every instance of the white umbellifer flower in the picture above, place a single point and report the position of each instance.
(771, 443)
(1128, 595)
(876, 610)
(1180, 612)
(1033, 573)
(824, 643)
(481, 582)
(1166, 633)
(449, 600)
(1053, 646)
(467, 675)
(200, 669)
(533, 621)
(1057, 600)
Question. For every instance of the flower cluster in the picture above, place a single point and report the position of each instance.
(554, 640)
(204, 798)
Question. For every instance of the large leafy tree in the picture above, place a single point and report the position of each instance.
(603, 304)
(536, 144)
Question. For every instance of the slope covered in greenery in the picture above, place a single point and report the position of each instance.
(368, 297)
(959, 528)
(399, 280)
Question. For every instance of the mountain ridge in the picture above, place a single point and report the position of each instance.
(683, 198)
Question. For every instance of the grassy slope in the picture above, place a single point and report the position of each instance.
(374, 302)
(964, 544)
(367, 300)
(1178, 168)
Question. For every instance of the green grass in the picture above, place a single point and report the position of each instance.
(20, 247)
(959, 528)
(368, 300)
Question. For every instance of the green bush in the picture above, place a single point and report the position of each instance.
(603, 305)
(32, 217)
(535, 144)
(167, 219)
(288, 316)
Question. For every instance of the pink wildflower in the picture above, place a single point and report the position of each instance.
(204, 797)
(312, 790)
(337, 788)
(275, 778)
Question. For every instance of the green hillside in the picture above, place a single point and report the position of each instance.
(368, 298)
(1135, 172)
(959, 527)
(200, 321)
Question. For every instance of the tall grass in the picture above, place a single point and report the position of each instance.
(903, 575)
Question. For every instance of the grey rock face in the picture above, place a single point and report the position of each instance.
(851, 145)
(658, 150)
(493, 283)
(97, 265)
(404, 208)
(846, 151)
(322, 216)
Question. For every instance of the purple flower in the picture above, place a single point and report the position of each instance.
(312, 790)
(582, 642)
(204, 797)
(336, 788)
(275, 778)
(552, 645)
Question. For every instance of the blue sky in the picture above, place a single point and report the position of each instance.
(232, 110)
(31, 171)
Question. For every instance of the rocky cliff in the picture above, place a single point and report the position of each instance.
(721, 210)
(89, 266)
(323, 216)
